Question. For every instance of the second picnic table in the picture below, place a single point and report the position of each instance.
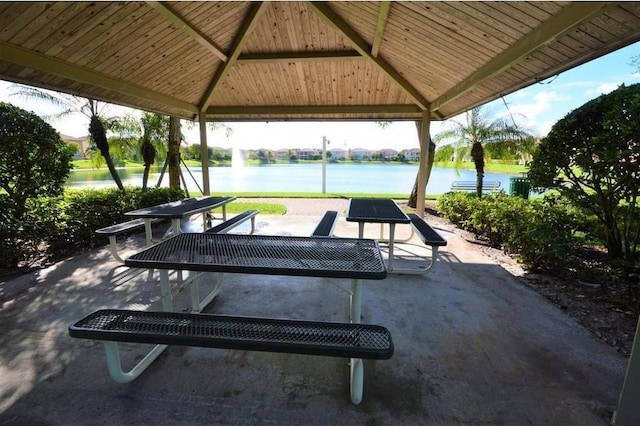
(377, 210)
(177, 211)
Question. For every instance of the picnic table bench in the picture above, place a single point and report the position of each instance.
(227, 225)
(118, 229)
(429, 237)
(347, 340)
(324, 228)
(487, 185)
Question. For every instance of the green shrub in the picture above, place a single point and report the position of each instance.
(53, 227)
(538, 232)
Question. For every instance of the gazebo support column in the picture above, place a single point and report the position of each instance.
(628, 412)
(204, 153)
(425, 125)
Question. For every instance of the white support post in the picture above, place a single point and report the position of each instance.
(628, 412)
(424, 161)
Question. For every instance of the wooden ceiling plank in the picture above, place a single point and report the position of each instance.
(453, 24)
(332, 19)
(255, 12)
(38, 28)
(430, 34)
(383, 14)
(155, 34)
(173, 17)
(73, 16)
(562, 23)
(95, 43)
(106, 53)
(80, 28)
(16, 16)
(178, 50)
(54, 66)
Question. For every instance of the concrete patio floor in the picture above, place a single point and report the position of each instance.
(473, 345)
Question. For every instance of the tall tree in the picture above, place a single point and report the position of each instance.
(90, 108)
(149, 135)
(470, 136)
(413, 197)
(592, 157)
(173, 153)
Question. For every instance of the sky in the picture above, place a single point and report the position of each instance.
(535, 108)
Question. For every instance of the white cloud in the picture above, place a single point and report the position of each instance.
(603, 89)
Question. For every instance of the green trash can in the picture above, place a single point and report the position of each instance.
(520, 186)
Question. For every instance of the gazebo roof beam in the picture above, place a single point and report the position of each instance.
(275, 110)
(334, 20)
(383, 13)
(166, 11)
(47, 64)
(256, 10)
(345, 55)
(565, 21)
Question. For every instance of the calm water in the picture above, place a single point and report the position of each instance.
(341, 178)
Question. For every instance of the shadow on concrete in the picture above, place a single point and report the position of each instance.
(472, 346)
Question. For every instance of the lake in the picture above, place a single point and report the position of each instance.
(340, 178)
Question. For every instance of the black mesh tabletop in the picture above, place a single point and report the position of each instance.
(230, 332)
(266, 254)
(377, 210)
(182, 208)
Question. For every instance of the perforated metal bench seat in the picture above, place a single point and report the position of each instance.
(427, 234)
(228, 225)
(120, 228)
(326, 225)
(123, 227)
(348, 340)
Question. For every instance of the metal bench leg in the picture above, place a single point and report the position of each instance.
(115, 367)
(196, 304)
(165, 291)
(356, 301)
(417, 271)
(392, 229)
(357, 380)
(357, 368)
(114, 248)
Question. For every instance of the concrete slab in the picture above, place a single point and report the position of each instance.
(473, 346)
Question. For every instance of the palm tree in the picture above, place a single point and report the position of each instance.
(90, 108)
(478, 130)
(149, 134)
(413, 197)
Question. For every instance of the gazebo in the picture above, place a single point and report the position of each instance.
(242, 61)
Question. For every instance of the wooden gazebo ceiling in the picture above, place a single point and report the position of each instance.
(304, 60)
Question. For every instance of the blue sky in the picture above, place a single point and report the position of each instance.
(535, 108)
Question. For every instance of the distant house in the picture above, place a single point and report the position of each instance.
(282, 154)
(387, 153)
(308, 154)
(82, 143)
(338, 154)
(412, 154)
(360, 154)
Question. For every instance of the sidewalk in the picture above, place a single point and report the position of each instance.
(472, 346)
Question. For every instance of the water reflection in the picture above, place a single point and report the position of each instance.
(341, 178)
